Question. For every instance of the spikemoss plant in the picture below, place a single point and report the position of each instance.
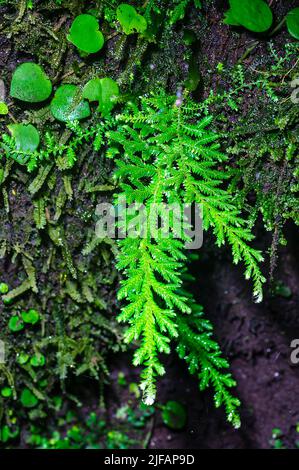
(168, 154)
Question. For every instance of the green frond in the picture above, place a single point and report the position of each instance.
(204, 358)
(166, 153)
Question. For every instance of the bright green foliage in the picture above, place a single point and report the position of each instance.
(6, 392)
(63, 153)
(28, 399)
(130, 21)
(151, 321)
(26, 137)
(3, 288)
(3, 109)
(204, 358)
(103, 90)
(85, 34)
(38, 360)
(254, 15)
(30, 83)
(169, 155)
(15, 324)
(179, 9)
(68, 105)
(32, 316)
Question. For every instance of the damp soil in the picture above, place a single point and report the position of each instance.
(255, 337)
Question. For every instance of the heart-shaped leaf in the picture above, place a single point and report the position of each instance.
(103, 90)
(254, 15)
(85, 34)
(6, 392)
(293, 22)
(32, 316)
(3, 288)
(15, 324)
(131, 22)
(30, 83)
(28, 400)
(26, 137)
(68, 105)
(38, 360)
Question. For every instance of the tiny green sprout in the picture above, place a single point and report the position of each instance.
(121, 379)
(292, 20)
(30, 83)
(32, 316)
(3, 108)
(105, 91)
(6, 392)
(130, 21)
(276, 432)
(22, 358)
(85, 34)
(220, 67)
(26, 137)
(3, 288)
(15, 324)
(174, 415)
(28, 400)
(254, 15)
(38, 360)
(68, 105)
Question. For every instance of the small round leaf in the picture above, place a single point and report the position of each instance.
(15, 324)
(22, 358)
(30, 83)
(85, 34)
(3, 288)
(174, 415)
(26, 137)
(38, 360)
(32, 316)
(68, 105)
(6, 392)
(28, 400)
(293, 22)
